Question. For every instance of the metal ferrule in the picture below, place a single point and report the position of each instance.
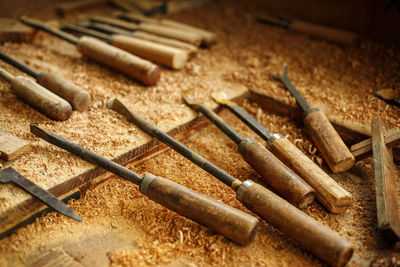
(273, 138)
(242, 189)
(242, 146)
(144, 186)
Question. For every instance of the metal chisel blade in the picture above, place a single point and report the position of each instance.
(10, 175)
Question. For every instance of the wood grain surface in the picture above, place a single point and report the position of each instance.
(11, 146)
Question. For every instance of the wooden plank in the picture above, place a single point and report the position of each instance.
(11, 146)
(385, 183)
(11, 30)
(69, 8)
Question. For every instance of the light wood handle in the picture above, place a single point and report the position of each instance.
(76, 96)
(139, 69)
(323, 32)
(327, 140)
(185, 36)
(282, 179)
(327, 191)
(234, 224)
(169, 56)
(311, 235)
(42, 99)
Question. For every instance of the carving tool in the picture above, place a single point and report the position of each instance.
(38, 97)
(109, 29)
(169, 56)
(234, 224)
(327, 191)
(208, 38)
(385, 183)
(76, 96)
(288, 184)
(9, 175)
(135, 67)
(188, 37)
(310, 234)
(389, 96)
(325, 137)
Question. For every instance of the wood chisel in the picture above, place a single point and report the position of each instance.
(310, 234)
(38, 97)
(232, 223)
(135, 67)
(169, 56)
(327, 190)
(325, 137)
(272, 171)
(76, 96)
(9, 175)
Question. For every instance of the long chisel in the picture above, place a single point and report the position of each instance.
(9, 175)
(169, 56)
(38, 97)
(327, 190)
(76, 96)
(232, 223)
(287, 183)
(325, 137)
(135, 67)
(310, 234)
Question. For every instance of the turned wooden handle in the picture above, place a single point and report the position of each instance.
(311, 235)
(188, 37)
(133, 66)
(327, 190)
(327, 140)
(282, 179)
(234, 224)
(169, 56)
(323, 32)
(76, 96)
(42, 99)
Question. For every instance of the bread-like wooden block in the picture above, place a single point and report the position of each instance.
(11, 30)
(11, 146)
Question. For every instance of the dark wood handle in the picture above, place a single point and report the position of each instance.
(327, 140)
(135, 67)
(282, 179)
(327, 191)
(42, 99)
(185, 36)
(311, 235)
(234, 224)
(76, 96)
(169, 56)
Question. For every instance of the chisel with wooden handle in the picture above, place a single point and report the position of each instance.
(188, 37)
(282, 179)
(326, 139)
(208, 38)
(169, 56)
(311, 235)
(135, 67)
(38, 97)
(232, 223)
(327, 191)
(76, 96)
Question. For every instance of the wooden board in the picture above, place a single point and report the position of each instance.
(11, 30)
(11, 146)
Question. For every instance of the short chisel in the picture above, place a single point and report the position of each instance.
(326, 139)
(76, 96)
(282, 179)
(327, 191)
(234, 224)
(113, 57)
(311, 235)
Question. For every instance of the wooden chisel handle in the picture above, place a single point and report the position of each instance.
(311, 235)
(327, 190)
(328, 141)
(42, 99)
(288, 184)
(169, 56)
(234, 224)
(327, 33)
(139, 69)
(76, 96)
(188, 37)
